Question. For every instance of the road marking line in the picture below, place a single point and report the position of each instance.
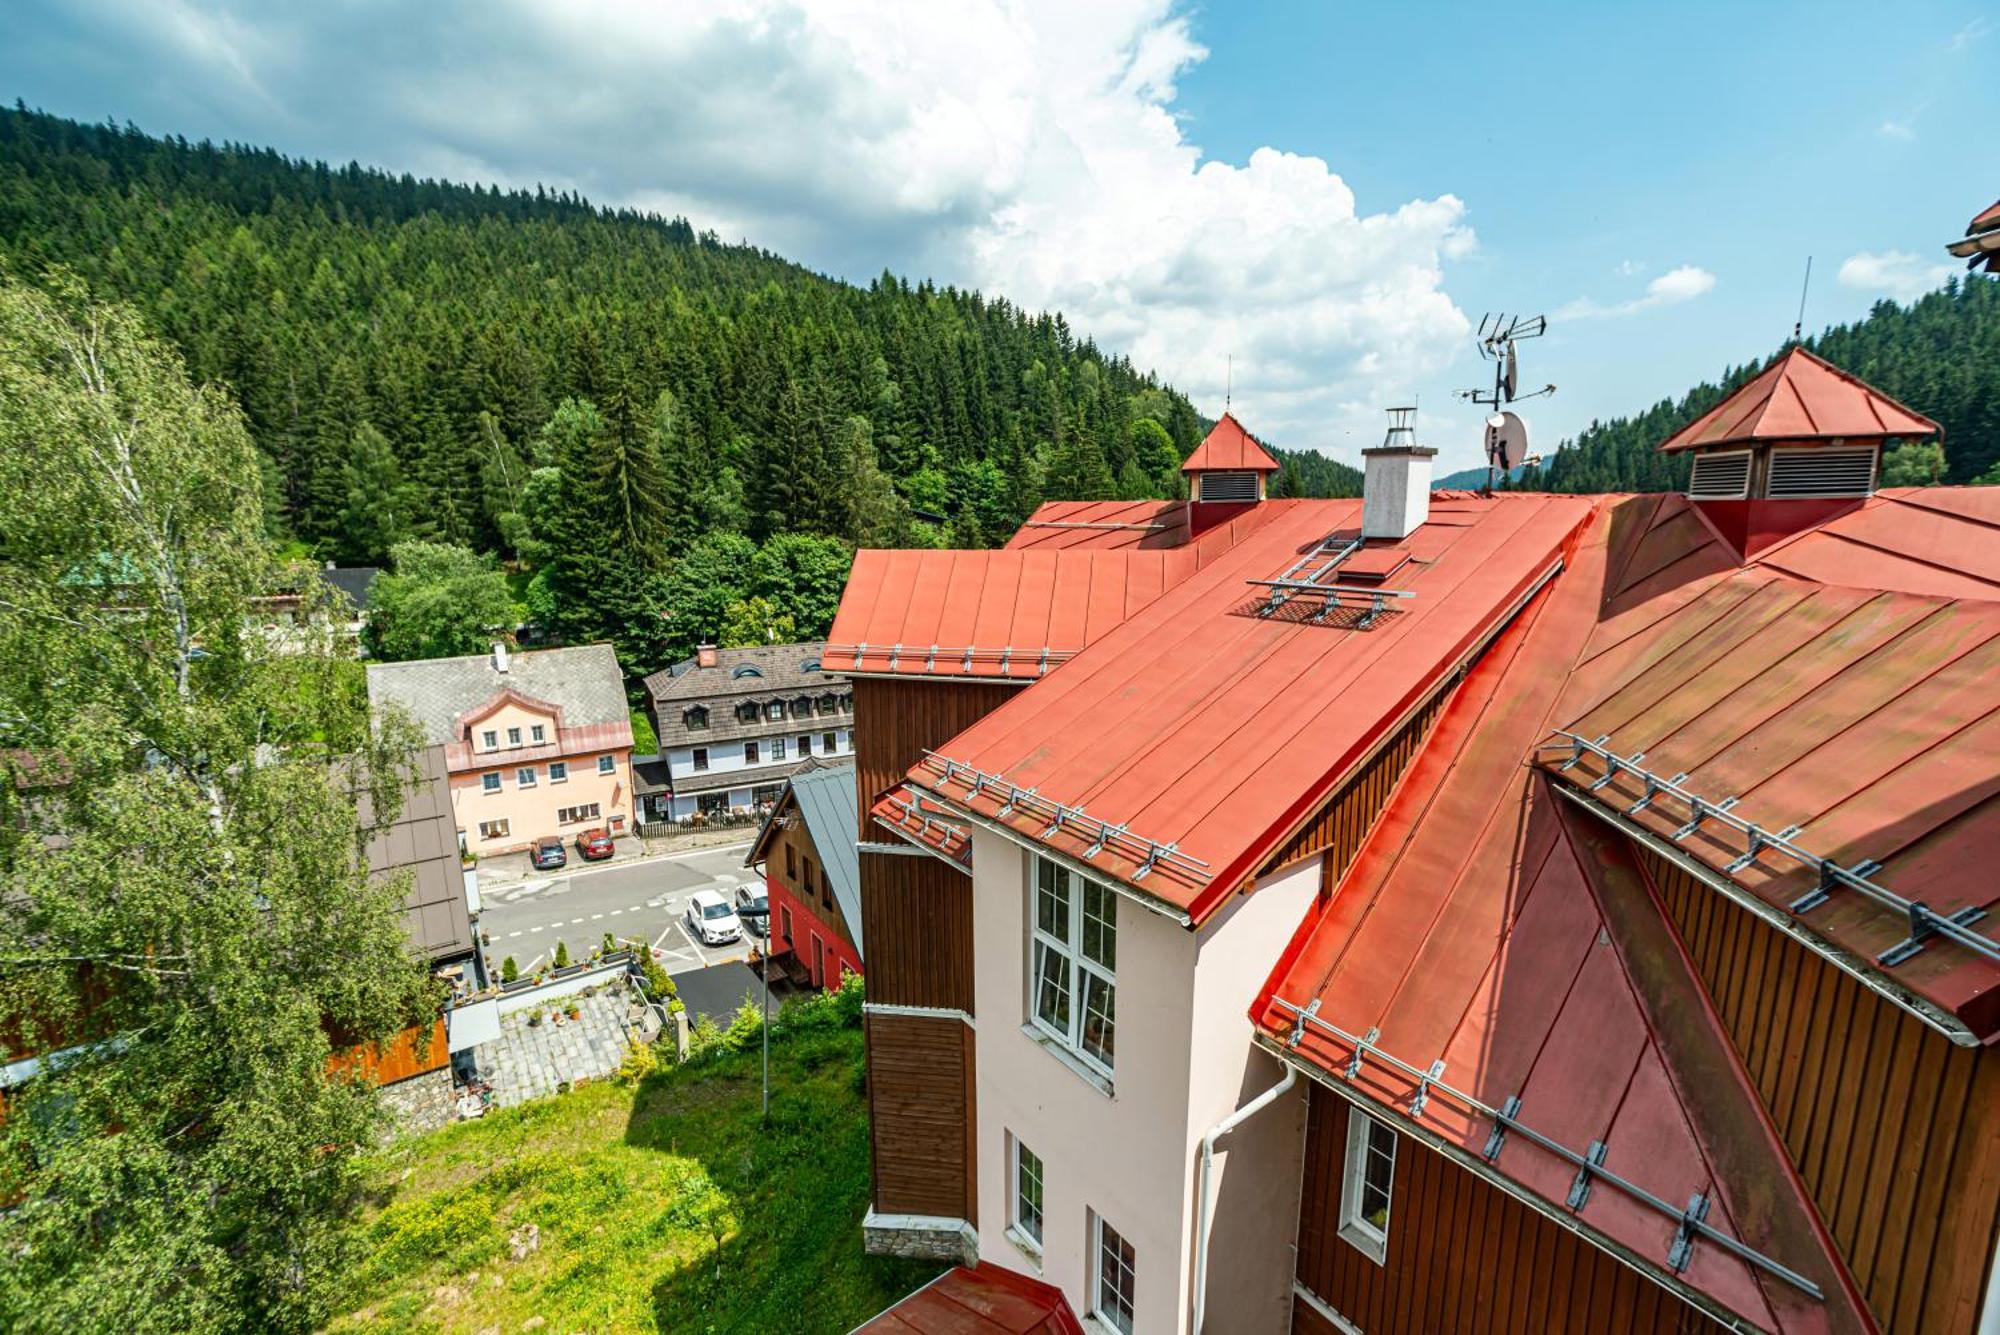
(616, 912)
(534, 929)
(513, 934)
(661, 939)
(595, 916)
(574, 921)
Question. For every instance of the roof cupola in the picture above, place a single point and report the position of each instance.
(1227, 474)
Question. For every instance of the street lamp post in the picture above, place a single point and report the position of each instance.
(752, 911)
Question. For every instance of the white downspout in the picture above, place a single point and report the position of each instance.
(1215, 1133)
(1989, 1317)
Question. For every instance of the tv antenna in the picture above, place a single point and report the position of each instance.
(1506, 434)
(1798, 326)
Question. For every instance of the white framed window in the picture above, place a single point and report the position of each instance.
(513, 736)
(489, 739)
(1111, 1286)
(806, 745)
(1365, 1186)
(538, 734)
(775, 710)
(777, 748)
(494, 829)
(749, 753)
(829, 741)
(489, 783)
(1027, 1175)
(558, 771)
(571, 815)
(607, 764)
(1073, 982)
(699, 757)
(525, 777)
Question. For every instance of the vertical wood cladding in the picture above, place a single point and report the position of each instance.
(790, 861)
(921, 1115)
(1463, 1256)
(1343, 822)
(1894, 1129)
(896, 721)
(916, 916)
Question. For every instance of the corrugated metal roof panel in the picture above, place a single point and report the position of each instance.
(830, 803)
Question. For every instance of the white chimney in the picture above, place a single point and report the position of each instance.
(499, 656)
(1396, 481)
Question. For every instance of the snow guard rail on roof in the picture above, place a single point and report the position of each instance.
(1691, 1222)
(1150, 854)
(967, 655)
(1924, 922)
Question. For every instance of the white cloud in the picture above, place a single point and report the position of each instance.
(1894, 273)
(1676, 285)
(1970, 33)
(1030, 147)
(1895, 129)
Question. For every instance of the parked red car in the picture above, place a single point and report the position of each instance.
(595, 845)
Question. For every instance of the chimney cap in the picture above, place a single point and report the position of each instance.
(1419, 451)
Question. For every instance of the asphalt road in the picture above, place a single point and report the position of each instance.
(631, 900)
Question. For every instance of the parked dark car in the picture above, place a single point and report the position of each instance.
(547, 854)
(595, 845)
(750, 895)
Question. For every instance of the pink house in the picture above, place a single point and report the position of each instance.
(535, 744)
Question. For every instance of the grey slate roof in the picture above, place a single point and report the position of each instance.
(831, 806)
(352, 581)
(778, 668)
(584, 680)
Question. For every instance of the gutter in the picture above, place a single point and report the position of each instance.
(1215, 1133)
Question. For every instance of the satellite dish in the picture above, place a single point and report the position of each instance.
(1506, 441)
(1513, 371)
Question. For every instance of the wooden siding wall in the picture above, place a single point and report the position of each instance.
(895, 721)
(916, 916)
(792, 876)
(397, 1059)
(1894, 1129)
(921, 1117)
(1463, 1255)
(1342, 824)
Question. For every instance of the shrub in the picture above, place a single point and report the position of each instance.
(659, 983)
(610, 946)
(745, 1027)
(640, 1062)
(562, 954)
(704, 1036)
(509, 970)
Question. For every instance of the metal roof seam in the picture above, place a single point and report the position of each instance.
(1825, 533)
(1592, 655)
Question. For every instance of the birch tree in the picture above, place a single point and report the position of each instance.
(186, 918)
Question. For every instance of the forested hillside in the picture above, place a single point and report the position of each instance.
(1940, 355)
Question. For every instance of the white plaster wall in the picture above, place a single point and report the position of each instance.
(1119, 1154)
(1254, 1186)
(1183, 1061)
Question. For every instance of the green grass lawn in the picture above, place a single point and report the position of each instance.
(628, 1188)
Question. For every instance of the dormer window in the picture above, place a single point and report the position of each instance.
(775, 710)
(828, 703)
(744, 671)
(747, 712)
(489, 740)
(695, 718)
(538, 734)
(513, 736)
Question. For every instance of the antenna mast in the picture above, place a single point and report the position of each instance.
(1228, 380)
(1798, 327)
(1506, 437)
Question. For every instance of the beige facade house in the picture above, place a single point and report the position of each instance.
(537, 743)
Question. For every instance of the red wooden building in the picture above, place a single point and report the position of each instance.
(811, 875)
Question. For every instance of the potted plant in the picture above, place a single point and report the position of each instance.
(575, 1012)
(534, 1019)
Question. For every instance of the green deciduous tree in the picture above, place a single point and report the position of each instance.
(206, 917)
(436, 602)
(1915, 463)
(801, 576)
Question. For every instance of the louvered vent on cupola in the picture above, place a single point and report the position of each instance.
(1821, 471)
(1723, 475)
(1228, 486)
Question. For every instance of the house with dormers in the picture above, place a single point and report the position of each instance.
(536, 743)
(734, 724)
(1445, 911)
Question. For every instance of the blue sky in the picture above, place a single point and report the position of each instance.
(1599, 146)
(1313, 202)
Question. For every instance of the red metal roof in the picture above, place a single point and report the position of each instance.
(1488, 926)
(1198, 724)
(1103, 525)
(983, 1299)
(920, 820)
(1229, 448)
(1989, 218)
(1934, 540)
(1801, 397)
